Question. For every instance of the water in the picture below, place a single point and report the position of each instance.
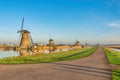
(116, 49)
(4, 54)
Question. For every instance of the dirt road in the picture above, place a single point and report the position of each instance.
(94, 67)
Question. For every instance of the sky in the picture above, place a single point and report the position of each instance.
(91, 21)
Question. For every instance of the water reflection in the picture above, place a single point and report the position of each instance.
(4, 54)
(24, 52)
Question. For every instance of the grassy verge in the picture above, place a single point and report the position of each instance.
(114, 58)
(46, 58)
(116, 75)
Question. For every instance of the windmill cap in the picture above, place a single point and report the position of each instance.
(51, 40)
(25, 31)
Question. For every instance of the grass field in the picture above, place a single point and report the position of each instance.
(46, 58)
(114, 58)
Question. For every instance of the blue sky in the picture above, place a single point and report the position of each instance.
(92, 21)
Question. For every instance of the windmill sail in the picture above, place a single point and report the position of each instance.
(50, 36)
(22, 23)
(31, 39)
(21, 26)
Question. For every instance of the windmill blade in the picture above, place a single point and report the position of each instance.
(19, 41)
(22, 23)
(50, 36)
(21, 26)
(31, 39)
(19, 31)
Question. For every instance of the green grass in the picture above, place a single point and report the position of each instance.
(116, 75)
(113, 56)
(46, 58)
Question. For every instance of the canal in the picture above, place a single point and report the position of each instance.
(11, 53)
(116, 49)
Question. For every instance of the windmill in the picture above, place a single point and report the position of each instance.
(86, 45)
(25, 38)
(77, 43)
(51, 41)
(51, 44)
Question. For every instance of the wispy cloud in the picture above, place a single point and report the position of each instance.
(114, 24)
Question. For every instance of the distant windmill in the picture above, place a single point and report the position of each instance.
(77, 43)
(86, 45)
(51, 44)
(25, 37)
(51, 41)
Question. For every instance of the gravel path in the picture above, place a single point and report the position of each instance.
(93, 67)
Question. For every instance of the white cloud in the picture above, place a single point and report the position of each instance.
(114, 25)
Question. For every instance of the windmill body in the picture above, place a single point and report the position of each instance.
(51, 42)
(25, 39)
(51, 45)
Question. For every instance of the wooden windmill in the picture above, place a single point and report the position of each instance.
(51, 41)
(77, 43)
(51, 45)
(25, 38)
(86, 45)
